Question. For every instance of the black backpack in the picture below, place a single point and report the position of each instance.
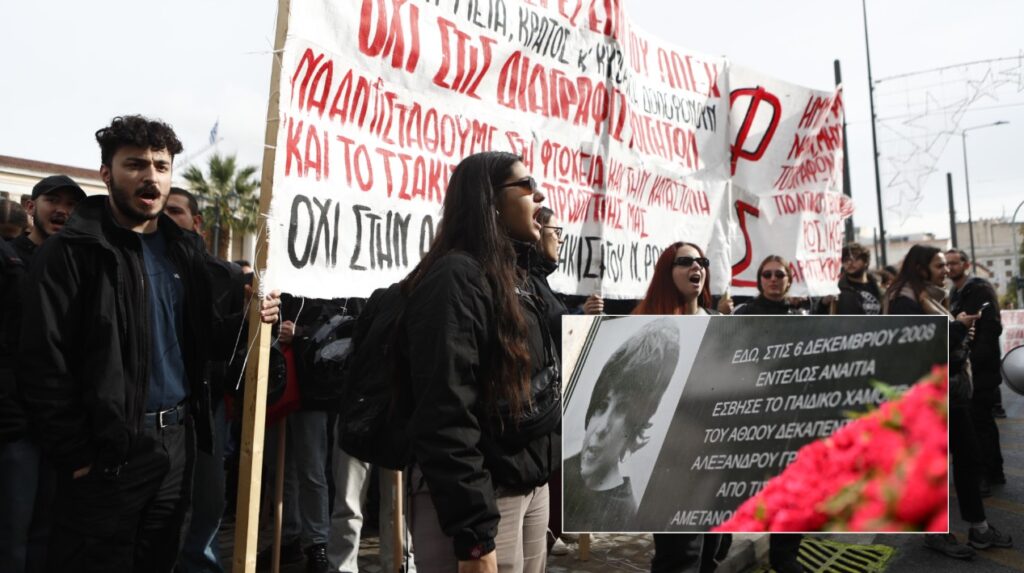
(373, 412)
(377, 405)
(321, 359)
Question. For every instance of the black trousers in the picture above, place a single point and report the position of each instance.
(963, 446)
(990, 457)
(132, 521)
(685, 552)
(783, 547)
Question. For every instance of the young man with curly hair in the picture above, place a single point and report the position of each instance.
(114, 344)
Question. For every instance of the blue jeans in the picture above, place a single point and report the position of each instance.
(199, 554)
(306, 512)
(26, 496)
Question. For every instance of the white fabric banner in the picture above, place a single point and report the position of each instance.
(627, 136)
(787, 176)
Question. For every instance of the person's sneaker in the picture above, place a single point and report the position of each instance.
(998, 412)
(291, 552)
(991, 538)
(946, 544)
(316, 559)
(559, 548)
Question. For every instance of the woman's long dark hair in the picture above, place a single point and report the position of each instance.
(470, 224)
(662, 295)
(917, 263)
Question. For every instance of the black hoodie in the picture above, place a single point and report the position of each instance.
(12, 414)
(83, 366)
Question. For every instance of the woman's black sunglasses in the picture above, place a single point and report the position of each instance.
(528, 184)
(688, 262)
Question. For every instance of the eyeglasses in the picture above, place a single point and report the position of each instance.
(528, 184)
(688, 262)
(777, 274)
(556, 230)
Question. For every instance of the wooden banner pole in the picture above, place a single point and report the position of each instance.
(254, 409)
(398, 521)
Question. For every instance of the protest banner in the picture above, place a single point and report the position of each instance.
(787, 200)
(745, 394)
(380, 99)
(379, 108)
(805, 227)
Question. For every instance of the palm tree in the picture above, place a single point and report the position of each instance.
(228, 199)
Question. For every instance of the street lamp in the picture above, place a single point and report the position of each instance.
(967, 180)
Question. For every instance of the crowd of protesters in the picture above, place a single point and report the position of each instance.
(122, 342)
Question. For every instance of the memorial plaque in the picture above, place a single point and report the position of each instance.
(745, 393)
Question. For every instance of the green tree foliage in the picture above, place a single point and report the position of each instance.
(228, 196)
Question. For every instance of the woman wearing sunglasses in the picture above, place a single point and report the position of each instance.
(773, 283)
(484, 379)
(680, 286)
(543, 264)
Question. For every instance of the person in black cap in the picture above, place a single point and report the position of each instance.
(53, 200)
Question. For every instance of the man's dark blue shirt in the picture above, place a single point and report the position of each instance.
(167, 381)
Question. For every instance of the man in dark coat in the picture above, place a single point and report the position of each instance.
(114, 343)
(972, 295)
(21, 544)
(200, 551)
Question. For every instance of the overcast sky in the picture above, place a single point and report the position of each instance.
(68, 67)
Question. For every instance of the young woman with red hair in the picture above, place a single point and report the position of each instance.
(680, 283)
(680, 286)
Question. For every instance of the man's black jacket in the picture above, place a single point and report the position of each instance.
(85, 338)
(227, 288)
(985, 354)
(12, 415)
(554, 309)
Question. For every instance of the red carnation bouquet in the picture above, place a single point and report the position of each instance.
(885, 471)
